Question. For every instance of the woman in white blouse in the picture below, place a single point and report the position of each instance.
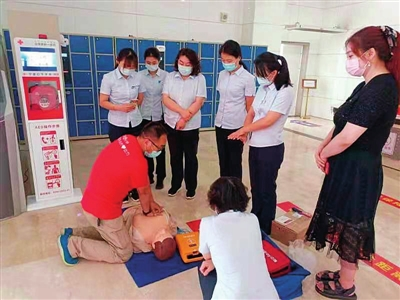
(264, 127)
(121, 93)
(236, 87)
(183, 96)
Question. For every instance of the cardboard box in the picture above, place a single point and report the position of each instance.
(290, 227)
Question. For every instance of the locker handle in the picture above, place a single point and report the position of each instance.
(62, 145)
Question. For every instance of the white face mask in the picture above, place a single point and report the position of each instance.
(152, 68)
(264, 81)
(185, 71)
(126, 72)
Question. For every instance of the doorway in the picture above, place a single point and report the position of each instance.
(296, 55)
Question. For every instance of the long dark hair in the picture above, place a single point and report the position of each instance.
(232, 47)
(192, 57)
(268, 62)
(130, 56)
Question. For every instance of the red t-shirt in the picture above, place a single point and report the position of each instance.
(119, 168)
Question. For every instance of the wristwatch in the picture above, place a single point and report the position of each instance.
(146, 213)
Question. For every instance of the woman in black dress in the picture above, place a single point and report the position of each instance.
(351, 158)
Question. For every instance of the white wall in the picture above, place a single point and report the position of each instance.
(161, 19)
(334, 84)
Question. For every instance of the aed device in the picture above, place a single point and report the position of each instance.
(41, 85)
(188, 246)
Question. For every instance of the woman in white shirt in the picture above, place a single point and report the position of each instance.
(121, 93)
(236, 87)
(153, 78)
(264, 125)
(231, 244)
(183, 96)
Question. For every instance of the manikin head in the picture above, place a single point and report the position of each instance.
(164, 245)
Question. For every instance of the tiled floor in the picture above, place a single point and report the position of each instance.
(32, 269)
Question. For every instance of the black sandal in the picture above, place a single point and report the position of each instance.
(338, 293)
(325, 276)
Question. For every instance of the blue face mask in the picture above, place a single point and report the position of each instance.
(229, 67)
(126, 72)
(153, 154)
(264, 81)
(152, 68)
(185, 71)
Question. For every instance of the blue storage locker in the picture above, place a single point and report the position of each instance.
(21, 132)
(169, 68)
(86, 128)
(105, 62)
(7, 39)
(82, 79)
(171, 51)
(104, 45)
(10, 59)
(103, 113)
(104, 128)
(79, 44)
(209, 80)
(69, 93)
(206, 109)
(247, 52)
(193, 46)
(207, 65)
(80, 62)
(257, 50)
(16, 96)
(121, 43)
(85, 112)
(84, 96)
(207, 50)
(13, 79)
(206, 121)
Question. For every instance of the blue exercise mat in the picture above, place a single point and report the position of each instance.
(145, 269)
(289, 286)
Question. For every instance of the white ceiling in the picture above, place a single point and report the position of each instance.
(324, 4)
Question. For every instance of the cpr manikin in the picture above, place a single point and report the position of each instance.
(151, 233)
(148, 233)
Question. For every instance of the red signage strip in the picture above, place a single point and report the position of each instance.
(386, 268)
(389, 200)
(379, 264)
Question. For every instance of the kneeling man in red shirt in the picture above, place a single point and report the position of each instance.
(119, 168)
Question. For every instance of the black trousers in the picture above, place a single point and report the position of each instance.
(183, 143)
(207, 284)
(229, 153)
(160, 168)
(264, 164)
(115, 132)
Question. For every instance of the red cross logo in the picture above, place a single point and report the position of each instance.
(20, 42)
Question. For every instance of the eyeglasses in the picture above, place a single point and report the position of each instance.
(155, 145)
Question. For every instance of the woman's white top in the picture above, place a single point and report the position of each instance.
(267, 99)
(184, 93)
(234, 241)
(122, 90)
